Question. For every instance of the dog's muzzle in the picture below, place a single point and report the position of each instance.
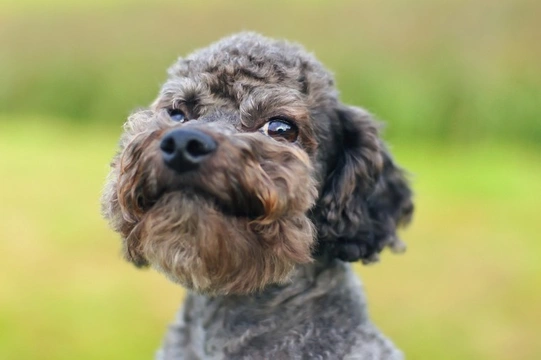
(183, 150)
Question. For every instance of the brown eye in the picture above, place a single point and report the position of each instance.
(177, 115)
(279, 128)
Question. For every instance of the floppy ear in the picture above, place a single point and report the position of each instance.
(112, 212)
(365, 196)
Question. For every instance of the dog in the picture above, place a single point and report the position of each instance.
(248, 182)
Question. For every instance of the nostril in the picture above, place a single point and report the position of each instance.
(168, 145)
(184, 149)
(197, 148)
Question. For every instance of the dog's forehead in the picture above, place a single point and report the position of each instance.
(227, 73)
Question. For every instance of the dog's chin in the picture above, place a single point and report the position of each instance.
(215, 248)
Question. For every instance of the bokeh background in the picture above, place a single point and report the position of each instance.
(457, 82)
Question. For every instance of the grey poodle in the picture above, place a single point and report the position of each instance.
(249, 183)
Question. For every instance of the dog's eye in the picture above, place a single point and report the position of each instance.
(177, 115)
(280, 128)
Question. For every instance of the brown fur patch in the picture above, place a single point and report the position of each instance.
(188, 227)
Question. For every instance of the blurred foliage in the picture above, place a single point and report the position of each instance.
(457, 82)
(452, 71)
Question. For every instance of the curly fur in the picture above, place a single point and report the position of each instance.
(260, 218)
(190, 237)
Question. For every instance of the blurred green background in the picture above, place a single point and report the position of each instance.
(457, 82)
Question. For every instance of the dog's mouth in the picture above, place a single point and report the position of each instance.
(248, 210)
(239, 206)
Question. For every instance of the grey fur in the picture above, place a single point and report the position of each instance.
(321, 314)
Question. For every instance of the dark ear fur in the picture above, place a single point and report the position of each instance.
(365, 196)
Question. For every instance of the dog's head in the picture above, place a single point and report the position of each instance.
(246, 165)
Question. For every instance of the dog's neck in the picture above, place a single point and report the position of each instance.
(307, 281)
(307, 284)
(321, 307)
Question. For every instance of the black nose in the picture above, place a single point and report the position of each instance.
(183, 149)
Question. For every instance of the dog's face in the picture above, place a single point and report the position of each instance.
(247, 165)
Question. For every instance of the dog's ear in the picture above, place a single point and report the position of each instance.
(112, 212)
(365, 196)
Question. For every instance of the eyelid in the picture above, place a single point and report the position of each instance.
(283, 118)
(178, 105)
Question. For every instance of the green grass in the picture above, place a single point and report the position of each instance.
(468, 287)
